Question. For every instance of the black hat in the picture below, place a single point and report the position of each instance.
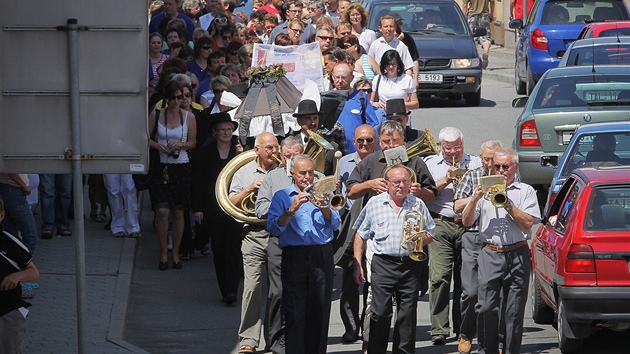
(306, 107)
(396, 107)
(222, 117)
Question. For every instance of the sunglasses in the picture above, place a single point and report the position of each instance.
(504, 167)
(206, 48)
(220, 20)
(180, 97)
(363, 140)
(216, 92)
(366, 90)
(187, 94)
(326, 38)
(297, 30)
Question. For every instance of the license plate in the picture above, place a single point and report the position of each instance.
(566, 137)
(430, 78)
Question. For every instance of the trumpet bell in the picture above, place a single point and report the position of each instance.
(418, 256)
(337, 202)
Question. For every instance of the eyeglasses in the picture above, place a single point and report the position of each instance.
(326, 38)
(355, 14)
(452, 148)
(216, 92)
(369, 90)
(270, 148)
(400, 181)
(206, 48)
(363, 140)
(220, 20)
(498, 167)
(297, 30)
(180, 97)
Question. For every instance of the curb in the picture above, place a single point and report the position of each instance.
(498, 76)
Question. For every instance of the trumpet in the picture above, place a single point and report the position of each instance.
(494, 190)
(456, 173)
(321, 192)
(413, 233)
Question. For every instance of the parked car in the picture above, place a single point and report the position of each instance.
(605, 29)
(592, 145)
(580, 257)
(564, 99)
(450, 65)
(598, 51)
(551, 26)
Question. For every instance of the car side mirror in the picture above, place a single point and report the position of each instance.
(549, 162)
(479, 31)
(560, 53)
(516, 24)
(519, 102)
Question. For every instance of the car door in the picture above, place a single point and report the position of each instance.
(524, 42)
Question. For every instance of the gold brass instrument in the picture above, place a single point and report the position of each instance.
(245, 212)
(456, 173)
(321, 192)
(316, 149)
(423, 145)
(494, 190)
(413, 233)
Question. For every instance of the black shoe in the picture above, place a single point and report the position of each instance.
(350, 337)
(177, 265)
(229, 299)
(438, 339)
(47, 234)
(163, 266)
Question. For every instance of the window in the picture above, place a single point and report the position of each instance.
(564, 216)
(609, 209)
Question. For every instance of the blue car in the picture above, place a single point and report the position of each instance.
(551, 27)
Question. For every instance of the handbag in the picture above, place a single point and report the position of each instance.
(143, 181)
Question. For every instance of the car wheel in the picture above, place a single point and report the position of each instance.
(518, 84)
(530, 83)
(565, 344)
(541, 312)
(473, 98)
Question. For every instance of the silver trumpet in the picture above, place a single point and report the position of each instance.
(413, 234)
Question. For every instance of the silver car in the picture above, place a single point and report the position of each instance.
(564, 99)
(598, 51)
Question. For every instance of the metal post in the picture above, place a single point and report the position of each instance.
(524, 11)
(77, 183)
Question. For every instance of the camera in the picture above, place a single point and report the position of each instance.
(175, 154)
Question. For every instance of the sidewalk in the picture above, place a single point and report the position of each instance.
(500, 64)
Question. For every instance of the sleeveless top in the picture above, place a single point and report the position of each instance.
(367, 69)
(179, 133)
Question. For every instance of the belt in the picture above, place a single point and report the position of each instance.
(396, 259)
(445, 218)
(507, 248)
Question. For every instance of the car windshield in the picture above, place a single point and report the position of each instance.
(609, 209)
(618, 54)
(429, 17)
(580, 91)
(614, 32)
(598, 149)
(570, 11)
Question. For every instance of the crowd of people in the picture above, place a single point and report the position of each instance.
(197, 51)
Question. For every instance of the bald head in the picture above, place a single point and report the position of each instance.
(342, 76)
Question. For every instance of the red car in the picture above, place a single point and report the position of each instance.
(581, 256)
(605, 29)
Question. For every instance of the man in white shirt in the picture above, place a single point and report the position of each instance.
(386, 42)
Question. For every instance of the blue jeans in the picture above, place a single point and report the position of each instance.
(19, 216)
(55, 192)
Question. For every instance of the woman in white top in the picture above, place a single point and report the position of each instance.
(170, 186)
(394, 83)
(357, 16)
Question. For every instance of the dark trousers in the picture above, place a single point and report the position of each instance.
(307, 277)
(349, 301)
(504, 274)
(274, 316)
(225, 235)
(391, 277)
(471, 245)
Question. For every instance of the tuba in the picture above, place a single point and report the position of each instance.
(494, 190)
(321, 192)
(413, 232)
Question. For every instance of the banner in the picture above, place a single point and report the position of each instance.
(300, 61)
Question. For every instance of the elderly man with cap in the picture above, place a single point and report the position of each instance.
(212, 223)
(308, 118)
(395, 110)
(247, 180)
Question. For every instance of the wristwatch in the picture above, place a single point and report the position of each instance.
(289, 212)
(508, 207)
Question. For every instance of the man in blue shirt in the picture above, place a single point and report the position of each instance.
(170, 12)
(305, 232)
